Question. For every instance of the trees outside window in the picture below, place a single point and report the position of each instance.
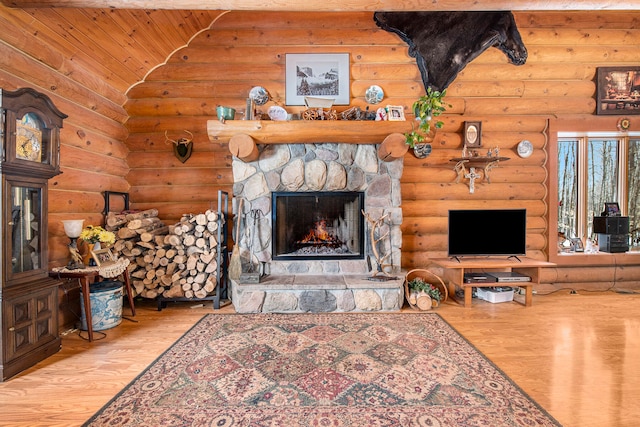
(592, 171)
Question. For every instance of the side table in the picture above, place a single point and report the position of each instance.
(85, 277)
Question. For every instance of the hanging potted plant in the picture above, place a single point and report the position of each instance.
(425, 109)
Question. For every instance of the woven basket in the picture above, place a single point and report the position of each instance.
(428, 277)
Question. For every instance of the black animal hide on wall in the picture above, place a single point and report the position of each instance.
(443, 43)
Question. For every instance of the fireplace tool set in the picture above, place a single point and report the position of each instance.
(251, 272)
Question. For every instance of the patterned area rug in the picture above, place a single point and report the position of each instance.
(288, 370)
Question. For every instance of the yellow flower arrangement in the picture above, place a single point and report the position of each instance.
(95, 234)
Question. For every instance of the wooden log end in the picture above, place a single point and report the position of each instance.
(393, 147)
(243, 147)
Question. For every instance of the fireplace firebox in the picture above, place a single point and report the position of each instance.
(317, 225)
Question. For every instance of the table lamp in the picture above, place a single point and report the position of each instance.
(73, 228)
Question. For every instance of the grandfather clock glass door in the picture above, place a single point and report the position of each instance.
(24, 231)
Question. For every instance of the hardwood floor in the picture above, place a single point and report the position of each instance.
(578, 356)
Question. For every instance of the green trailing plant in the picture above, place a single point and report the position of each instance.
(426, 108)
(420, 285)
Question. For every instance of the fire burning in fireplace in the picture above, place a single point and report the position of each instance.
(319, 234)
(321, 239)
(321, 225)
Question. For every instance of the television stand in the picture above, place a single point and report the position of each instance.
(454, 270)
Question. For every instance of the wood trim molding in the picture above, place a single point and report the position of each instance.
(582, 123)
(332, 5)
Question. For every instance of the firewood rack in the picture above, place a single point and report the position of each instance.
(220, 297)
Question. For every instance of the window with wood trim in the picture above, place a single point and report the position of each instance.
(594, 169)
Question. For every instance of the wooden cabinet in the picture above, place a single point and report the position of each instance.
(29, 137)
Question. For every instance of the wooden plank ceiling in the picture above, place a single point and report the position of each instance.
(108, 50)
(117, 42)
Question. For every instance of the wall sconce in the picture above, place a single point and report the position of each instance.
(73, 228)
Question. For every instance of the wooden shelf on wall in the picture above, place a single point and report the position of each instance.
(478, 160)
(306, 131)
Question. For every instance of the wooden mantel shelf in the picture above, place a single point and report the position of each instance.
(306, 131)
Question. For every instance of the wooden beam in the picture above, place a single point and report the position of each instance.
(305, 132)
(334, 5)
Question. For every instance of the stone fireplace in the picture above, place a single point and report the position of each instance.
(295, 192)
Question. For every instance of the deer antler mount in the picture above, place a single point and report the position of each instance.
(183, 147)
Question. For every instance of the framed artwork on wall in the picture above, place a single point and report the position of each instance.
(323, 75)
(473, 134)
(618, 90)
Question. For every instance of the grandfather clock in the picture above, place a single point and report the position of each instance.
(30, 141)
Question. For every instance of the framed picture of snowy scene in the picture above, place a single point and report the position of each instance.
(319, 75)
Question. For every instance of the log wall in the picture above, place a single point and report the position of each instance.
(244, 49)
(114, 138)
(48, 50)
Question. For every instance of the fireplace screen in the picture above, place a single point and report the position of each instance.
(317, 225)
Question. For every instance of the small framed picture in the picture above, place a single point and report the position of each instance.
(611, 209)
(473, 134)
(395, 113)
(103, 257)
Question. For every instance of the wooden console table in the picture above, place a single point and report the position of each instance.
(454, 270)
(86, 276)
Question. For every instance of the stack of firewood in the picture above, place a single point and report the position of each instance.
(178, 261)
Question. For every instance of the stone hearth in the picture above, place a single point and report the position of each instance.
(318, 285)
(312, 293)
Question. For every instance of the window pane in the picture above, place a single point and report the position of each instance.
(568, 187)
(602, 177)
(634, 193)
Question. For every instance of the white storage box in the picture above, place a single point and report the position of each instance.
(495, 295)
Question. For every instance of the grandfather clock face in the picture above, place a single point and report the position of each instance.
(29, 138)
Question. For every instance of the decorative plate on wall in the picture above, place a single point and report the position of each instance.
(624, 124)
(259, 95)
(374, 95)
(525, 148)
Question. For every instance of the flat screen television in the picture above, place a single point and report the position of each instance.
(487, 232)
